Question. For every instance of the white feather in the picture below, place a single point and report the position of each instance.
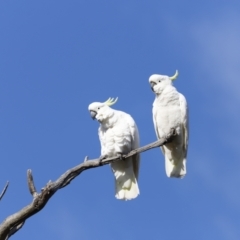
(170, 111)
(118, 134)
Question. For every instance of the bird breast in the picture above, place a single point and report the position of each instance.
(167, 112)
(116, 140)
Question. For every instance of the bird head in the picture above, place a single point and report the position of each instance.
(101, 111)
(159, 82)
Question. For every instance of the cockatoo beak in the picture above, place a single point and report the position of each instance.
(152, 85)
(93, 114)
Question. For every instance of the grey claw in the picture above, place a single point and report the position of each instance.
(120, 156)
(102, 157)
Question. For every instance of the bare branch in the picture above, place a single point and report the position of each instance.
(15, 221)
(4, 190)
(31, 185)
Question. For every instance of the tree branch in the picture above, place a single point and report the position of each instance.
(15, 221)
(31, 185)
(4, 190)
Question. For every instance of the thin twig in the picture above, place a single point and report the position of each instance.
(31, 185)
(15, 221)
(4, 190)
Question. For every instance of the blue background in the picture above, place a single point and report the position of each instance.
(56, 57)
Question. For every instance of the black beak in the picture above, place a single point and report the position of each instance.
(152, 85)
(93, 114)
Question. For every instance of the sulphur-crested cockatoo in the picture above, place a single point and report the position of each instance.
(170, 111)
(118, 134)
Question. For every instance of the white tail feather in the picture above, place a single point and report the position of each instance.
(176, 169)
(126, 185)
(127, 194)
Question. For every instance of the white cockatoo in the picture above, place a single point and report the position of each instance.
(170, 111)
(118, 134)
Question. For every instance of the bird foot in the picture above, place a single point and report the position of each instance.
(102, 157)
(169, 136)
(120, 156)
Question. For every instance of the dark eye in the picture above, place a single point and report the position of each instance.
(159, 80)
(98, 108)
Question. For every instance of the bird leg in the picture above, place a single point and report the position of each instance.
(120, 156)
(169, 137)
(102, 157)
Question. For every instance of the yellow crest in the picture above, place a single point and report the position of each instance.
(111, 101)
(174, 76)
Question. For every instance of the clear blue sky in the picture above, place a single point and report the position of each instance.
(56, 57)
